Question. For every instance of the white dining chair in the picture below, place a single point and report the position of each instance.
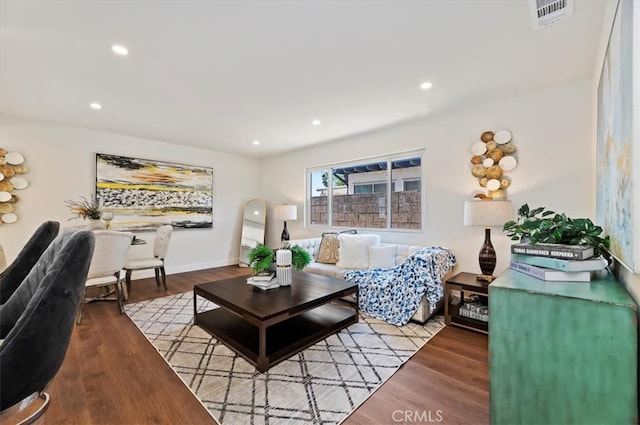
(109, 256)
(160, 248)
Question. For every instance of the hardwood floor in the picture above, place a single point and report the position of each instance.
(112, 375)
(446, 381)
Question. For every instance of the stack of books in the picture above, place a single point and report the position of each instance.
(264, 281)
(475, 310)
(556, 262)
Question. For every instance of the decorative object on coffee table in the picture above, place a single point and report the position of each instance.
(487, 213)
(285, 212)
(261, 257)
(283, 267)
(300, 257)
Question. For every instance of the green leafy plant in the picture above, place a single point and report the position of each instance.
(540, 225)
(86, 209)
(300, 257)
(261, 257)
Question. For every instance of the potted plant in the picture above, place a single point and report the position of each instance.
(86, 209)
(261, 257)
(545, 226)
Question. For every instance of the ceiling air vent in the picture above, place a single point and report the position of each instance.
(547, 12)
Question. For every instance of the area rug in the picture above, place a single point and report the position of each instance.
(320, 385)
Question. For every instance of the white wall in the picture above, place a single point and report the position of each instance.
(61, 161)
(551, 129)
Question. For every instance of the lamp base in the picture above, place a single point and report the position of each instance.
(485, 278)
(487, 257)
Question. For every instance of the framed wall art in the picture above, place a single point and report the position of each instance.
(618, 145)
(144, 194)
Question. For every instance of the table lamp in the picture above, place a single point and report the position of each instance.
(487, 214)
(285, 212)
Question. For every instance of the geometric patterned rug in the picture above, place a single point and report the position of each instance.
(320, 385)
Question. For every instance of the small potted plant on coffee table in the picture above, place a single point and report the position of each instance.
(261, 258)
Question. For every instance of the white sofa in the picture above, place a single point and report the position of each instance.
(312, 245)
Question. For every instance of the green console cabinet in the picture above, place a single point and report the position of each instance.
(562, 352)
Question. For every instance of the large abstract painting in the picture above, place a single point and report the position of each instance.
(144, 194)
(616, 197)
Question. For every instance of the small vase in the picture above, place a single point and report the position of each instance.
(283, 267)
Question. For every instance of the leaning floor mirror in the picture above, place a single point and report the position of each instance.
(253, 222)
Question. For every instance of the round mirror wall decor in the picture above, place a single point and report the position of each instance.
(12, 169)
(492, 157)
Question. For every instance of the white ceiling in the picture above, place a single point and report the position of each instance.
(220, 74)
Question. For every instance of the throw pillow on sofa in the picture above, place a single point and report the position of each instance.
(329, 246)
(382, 257)
(328, 251)
(354, 250)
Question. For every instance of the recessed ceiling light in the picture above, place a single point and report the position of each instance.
(95, 105)
(426, 85)
(256, 142)
(120, 50)
(315, 122)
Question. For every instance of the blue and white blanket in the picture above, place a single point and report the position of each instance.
(393, 295)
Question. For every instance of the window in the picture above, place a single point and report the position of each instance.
(370, 188)
(383, 193)
(411, 185)
(318, 193)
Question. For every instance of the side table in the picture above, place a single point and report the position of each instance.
(459, 311)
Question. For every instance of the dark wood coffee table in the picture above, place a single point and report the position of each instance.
(266, 327)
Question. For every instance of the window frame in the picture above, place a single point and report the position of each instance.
(389, 158)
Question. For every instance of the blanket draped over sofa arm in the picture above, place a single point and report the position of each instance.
(393, 295)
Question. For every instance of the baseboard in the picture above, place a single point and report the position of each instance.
(186, 268)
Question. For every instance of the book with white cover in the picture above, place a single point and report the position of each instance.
(263, 277)
(560, 264)
(543, 273)
(262, 284)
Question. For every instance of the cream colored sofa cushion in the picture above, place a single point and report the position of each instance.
(382, 257)
(354, 250)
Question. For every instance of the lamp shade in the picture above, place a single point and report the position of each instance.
(487, 213)
(285, 212)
